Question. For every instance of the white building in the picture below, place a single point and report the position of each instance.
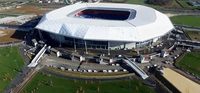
(105, 25)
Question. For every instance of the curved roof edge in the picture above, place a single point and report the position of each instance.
(148, 24)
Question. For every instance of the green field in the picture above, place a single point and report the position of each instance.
(130, 1)
(186, 20)
(190, 63)
(45, 83)
(136, 2)
(10, 64)
(2, 16)
(174, 4)
(7, 15)
(184, 4)
(193, 35)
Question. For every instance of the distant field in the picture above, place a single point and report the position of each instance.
(184, 4)
(43, 83)
(10, 64)
(174, 4)
(7, 15)
(186, 20)
(25, 9)
(194, 35)
(13, 0)
(135, 2)
(191, 63)
(2, 16)
(130, 1)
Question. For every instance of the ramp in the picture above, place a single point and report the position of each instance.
(35, 60)
(136, 68)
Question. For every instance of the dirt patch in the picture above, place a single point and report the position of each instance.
(183, 84)
(8, 36)
(194, 35)
(2, 34)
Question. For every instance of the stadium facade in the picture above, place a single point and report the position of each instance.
(105, 25)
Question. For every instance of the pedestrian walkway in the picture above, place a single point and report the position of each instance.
(36, 59)
(136, 68)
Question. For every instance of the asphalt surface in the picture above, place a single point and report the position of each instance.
(68, 64)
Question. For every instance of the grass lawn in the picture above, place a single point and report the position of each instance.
(141, 2)
(191, 63)
(25, 9)
(136, 2)
(7, 15)
(2, 16)
(174, 4)
(184, 4)
(194, 35)
(186, 20)
(43, 83)
(10, 64)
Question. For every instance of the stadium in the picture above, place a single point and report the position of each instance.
(105, 25)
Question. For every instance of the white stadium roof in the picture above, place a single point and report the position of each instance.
(143, 23)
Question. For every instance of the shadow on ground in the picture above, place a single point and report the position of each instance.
(25, 31)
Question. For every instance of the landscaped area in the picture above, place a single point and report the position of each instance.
(25, 9)
(174, 4)
(10, 64)
(142, 2)
(191, 63)
(185, 4)
(186, 20)
(47, 83)
(130, 1)
(193, 35)
(7, 15)
(2, 16)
